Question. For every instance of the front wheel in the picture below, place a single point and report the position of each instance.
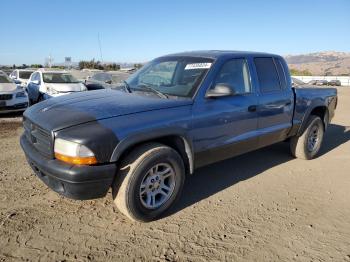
(309, 143)
(40, 98)
(149, 181)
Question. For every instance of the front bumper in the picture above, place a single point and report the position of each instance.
(13, 104)
(14, 108)
(72, 181)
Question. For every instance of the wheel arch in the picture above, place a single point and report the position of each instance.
(177, 142)
(320, 111)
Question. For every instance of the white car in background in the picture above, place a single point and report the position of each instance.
(13, 98)
(44, 84)
(21, 76)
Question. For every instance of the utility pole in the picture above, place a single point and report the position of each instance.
(49, 61)
(99, 44)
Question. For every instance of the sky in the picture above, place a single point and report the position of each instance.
(137, 31)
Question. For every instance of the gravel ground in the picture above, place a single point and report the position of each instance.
(262, 206)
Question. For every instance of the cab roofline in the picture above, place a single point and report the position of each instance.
(214, 54)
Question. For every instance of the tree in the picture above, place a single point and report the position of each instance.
(92, 64)
(36, 66)
(296, 72)
(138, 66)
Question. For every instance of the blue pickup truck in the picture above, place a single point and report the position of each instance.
(177, 113)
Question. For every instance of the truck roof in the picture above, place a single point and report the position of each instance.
(218, 53)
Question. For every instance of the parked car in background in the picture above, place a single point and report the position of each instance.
(177, 113)
(12, 97)
(334, 83)
(104, 80)
(297, 82)
(45, 84)
(312, 82)
(321, 82)
(21, 76)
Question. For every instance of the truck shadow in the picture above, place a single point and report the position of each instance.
(214, 178)
(11, 115)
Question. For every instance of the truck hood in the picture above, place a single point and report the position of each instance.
(7, 87)
(72, 87)
(78, 108)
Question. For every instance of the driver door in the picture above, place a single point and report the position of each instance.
(226, 126)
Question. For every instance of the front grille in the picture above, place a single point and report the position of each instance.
(38, 137)
(6, 97)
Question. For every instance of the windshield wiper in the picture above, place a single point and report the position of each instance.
(127, 86)
(148, 88)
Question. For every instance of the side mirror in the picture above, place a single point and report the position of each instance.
(220, 90)
(17, 81)
(35, 82)
(108, 81)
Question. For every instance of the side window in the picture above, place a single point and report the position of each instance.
(36, 76)
(235, 73)
(32, 77)
(39, 77)
(14, 74)
(267, 74)
(281, 73)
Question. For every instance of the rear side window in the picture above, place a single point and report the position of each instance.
(267, 74)
(281, 73)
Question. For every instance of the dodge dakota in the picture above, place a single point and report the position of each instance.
(177, 113)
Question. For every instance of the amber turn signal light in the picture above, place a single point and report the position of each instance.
(90, 160)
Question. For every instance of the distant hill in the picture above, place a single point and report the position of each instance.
(321, 63)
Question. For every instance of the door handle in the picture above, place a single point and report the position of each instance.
(252, 108)
(288, 103)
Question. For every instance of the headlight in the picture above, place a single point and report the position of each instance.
(51, 90)
(21, 94)
(73, 153)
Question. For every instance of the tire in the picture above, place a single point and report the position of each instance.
(309, 143)
(30, 102)
(133, 187)
(40, 98)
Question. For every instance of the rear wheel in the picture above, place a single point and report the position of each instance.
(309, 143)
(149, 181)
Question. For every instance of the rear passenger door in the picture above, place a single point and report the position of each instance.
(275, 101)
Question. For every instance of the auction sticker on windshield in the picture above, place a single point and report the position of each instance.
(198, 66)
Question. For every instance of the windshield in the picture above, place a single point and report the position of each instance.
(4, 79)
(25, 74)
(119, 78)
(175, 76)
(59, 78)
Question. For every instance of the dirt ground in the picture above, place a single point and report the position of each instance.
(262, 206)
